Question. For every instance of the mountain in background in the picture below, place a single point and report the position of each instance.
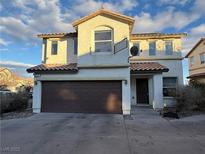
(12, 82)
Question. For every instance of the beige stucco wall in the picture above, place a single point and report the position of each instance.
(197, 70)
(197, 67)
(61, 57)
(65, 51)
(86, 32)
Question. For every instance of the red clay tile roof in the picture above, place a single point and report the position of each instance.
(128, 19)
(157, 35)
(57, 35)
(53, 67)
(197, 75)
(148, 66)
(138, 66)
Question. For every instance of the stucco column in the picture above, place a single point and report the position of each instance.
(126, 103)
(37, 97)
(158, 93)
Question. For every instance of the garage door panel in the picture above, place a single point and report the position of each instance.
(84, 96)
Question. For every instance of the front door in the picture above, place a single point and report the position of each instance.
(142, 91)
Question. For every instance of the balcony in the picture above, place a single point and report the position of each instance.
(117, 58)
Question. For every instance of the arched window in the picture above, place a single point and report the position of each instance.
(103, 39)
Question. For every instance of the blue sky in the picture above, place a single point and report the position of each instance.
(22, 20)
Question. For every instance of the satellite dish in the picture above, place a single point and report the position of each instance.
(134, 50)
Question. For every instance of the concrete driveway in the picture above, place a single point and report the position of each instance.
(144, 133)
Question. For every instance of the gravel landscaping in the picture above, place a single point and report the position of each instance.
(16, 115)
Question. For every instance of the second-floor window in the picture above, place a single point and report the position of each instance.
(191, 60)
(103, 41)
(202, 58)
(168, 48)
(54, 47)
(152, 48)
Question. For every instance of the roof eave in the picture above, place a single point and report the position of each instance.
(49, 36)
(150, 71)
(54, 68)
(52, 71)
(199, 75)
(130, 20)
(57, 35)
(147, 36)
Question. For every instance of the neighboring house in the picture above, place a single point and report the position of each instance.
(9, 81)
(197, 61)
(92, 70)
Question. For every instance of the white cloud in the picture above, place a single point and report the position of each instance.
(4, 42)
(17, 67)
(193, 37)
(173, 2)
(199, 7)
(14, 63)
(16, 28)
(188, 43)
(35, 17)
(83, 7)
(42, 16)
(167, 19)
(198, 30)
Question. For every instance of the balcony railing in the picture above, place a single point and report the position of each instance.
(121, 45)
(159, 55)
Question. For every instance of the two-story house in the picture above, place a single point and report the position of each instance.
(92, 70)
(197, 61)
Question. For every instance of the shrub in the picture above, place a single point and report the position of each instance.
(15, 102)
(200, 102)
(191, 98)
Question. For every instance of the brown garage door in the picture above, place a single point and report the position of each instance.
(83, 96)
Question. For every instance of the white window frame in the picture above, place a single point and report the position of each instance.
(96, 41)
(172, 45)
(52, 47)
(167, 87)
(155, 48)
(191, 61)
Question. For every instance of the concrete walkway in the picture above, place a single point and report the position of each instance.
(143, 133)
